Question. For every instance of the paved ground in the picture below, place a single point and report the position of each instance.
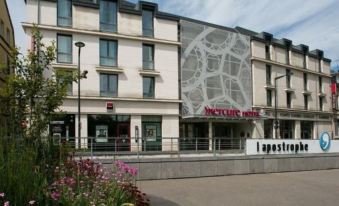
(318, 188)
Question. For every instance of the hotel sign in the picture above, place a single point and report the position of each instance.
(229, 112)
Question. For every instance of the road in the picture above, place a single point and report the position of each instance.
(293, 188)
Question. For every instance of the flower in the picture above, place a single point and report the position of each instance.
(6, 203)
(2, 194)
(32, 202)
(55, 195)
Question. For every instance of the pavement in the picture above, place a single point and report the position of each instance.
(318, 188)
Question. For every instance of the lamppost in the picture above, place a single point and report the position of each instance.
(276, 123)
(79, 45)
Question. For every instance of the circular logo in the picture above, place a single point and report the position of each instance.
(325, 141)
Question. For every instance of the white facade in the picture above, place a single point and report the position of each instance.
(129, 100)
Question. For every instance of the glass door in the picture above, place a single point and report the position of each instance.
(123, 141)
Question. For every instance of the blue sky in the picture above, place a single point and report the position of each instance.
(311, 22)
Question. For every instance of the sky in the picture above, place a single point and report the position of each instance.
(311, 22)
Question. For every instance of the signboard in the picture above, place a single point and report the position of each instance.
(292, 146)
(109, 105)
(151, 132)
(101, 133)
(229, 112)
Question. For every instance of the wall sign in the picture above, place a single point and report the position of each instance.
(230, 112)
(292, 146)
(109, 105)
(101, 133)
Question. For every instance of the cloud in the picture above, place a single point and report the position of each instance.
(304, 22)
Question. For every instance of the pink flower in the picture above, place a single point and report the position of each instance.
(6, 203)
(2, 194)
(55, 195)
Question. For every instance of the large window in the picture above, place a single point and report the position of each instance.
(108, 53)
(64, 48)
(147, 23)
(64, 13)
(286, 129)
(306, 129)
(109, 85)
(268, 74)
(151, 133)
(269, 97)
(108, 16)
(148, 87)
(147, 56)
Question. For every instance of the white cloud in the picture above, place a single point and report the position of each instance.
(310, 22)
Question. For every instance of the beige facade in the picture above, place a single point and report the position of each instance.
(129, 38)
(304, 82)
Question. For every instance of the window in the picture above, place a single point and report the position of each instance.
(147, 56)
(306, 129)
(320, 85)
(108, 53)
(305, 102)
(8, 36)
(287, 56)
(268, 129)
(288, 78)
(147, 23)
(2, 28)
(148, 87)
(267, 52)
(64, 48)
(64, 13)
(109, 85)
(304, 62)
(108, 16)
(66, 76)
(305, 82)
(269, 98)
(288, 99)
(321, 99)
(268, 74)
(319, 63)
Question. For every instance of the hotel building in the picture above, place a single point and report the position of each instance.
(167, 78)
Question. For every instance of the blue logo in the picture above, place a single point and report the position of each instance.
(325, 141)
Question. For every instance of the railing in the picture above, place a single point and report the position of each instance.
(157, 145)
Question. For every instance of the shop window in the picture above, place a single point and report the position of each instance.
(147, 57)
(108, 53)
(64, 48)
(147, 23)
(109, 85)
(286, 129)
(148, 87)
(62, 126)
(108, 16)
(306, 129)
(151, 133)
(64, 11)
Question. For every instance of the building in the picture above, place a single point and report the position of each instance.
(7, 44)
(167, 78)
(131, 56)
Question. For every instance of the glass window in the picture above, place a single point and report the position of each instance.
(66, 75)
(8, 36)
(147, 56)
(109, 85)
(269, 98)
(320, 85)
(64, 13)
(64, 48)
(108, 53)
(147, 23)
(151, 133)
(268, 129)
(267, 51)
(268, 74)
(108, 16)
(148, 87)
(304, 61)
(289, 99)
(306, 129)
(287, 56)
(305, 102)
(2, 28)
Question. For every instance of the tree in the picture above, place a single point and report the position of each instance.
(34, 92)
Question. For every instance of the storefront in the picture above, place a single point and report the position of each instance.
(62, 127)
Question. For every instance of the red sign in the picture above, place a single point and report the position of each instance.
(230, 112)
(334, 88)
(109, 105)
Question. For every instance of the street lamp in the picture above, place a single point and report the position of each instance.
(276, 123)
(79, 45)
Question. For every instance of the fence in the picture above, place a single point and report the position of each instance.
(164, 145)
